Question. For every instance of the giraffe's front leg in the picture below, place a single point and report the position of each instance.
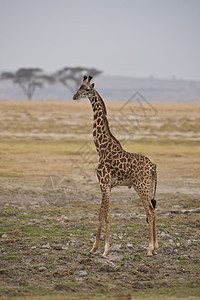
(96, 243)
(107, 219)
(107, 242)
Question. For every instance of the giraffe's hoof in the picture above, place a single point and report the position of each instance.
(93, 252)
(155, 252)
(105, 254)
(149, 253)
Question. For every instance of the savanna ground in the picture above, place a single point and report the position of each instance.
(49, 198)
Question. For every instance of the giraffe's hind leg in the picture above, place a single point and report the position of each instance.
(153, 202)
(144, 191)
(151, 219)
(155, 235)
(155, 241)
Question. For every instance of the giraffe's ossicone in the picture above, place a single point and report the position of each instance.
(118, 167)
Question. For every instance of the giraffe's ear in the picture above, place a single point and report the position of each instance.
(85, 80)
(92, 85)
(89, 78)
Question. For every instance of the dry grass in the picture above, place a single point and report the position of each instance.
(40, 137)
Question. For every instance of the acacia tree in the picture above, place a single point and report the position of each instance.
(28, 79)
(32, 78)
(72, 76)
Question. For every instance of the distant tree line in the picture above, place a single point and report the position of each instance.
(29, 79)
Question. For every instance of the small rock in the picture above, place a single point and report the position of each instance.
(73, 241)
(64, 248)
(57, 247)
(114, 236)
(46, 246)
(63, 217)
(102, 238)
(163, 234)
(112, 264)
(4, 235)
(108, 267)
(116, 247)
(120, 237)
(42, 269)
(129, 245)
(82, 273)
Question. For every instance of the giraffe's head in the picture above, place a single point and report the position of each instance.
(86, 89)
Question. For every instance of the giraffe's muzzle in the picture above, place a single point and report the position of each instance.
(75, 97)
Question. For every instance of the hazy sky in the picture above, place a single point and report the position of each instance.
(120, 37)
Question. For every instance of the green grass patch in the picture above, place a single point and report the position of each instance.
(29, 216)
(5, 221)
(36, 231)
(8, 211)
(134, 225)
(6, 229)
(12, 256)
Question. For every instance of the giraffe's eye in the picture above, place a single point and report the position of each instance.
(83, 87)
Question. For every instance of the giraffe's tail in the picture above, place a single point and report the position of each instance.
(154, 185)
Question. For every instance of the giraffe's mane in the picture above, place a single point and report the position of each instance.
(106, 120)
(102, 104)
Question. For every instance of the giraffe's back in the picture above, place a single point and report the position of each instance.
(125, 167)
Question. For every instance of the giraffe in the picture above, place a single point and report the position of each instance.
(118, 167)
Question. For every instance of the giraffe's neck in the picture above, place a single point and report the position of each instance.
(101, 131)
